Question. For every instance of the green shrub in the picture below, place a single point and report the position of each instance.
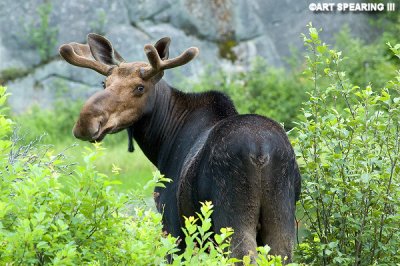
(49, 216)
(369, 63)
(348, 143)
(5, 124)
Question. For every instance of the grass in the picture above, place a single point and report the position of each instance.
(133, 170)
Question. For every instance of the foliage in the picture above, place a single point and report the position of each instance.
(349, 159)
(41, 34)
(50, 216)
(200, 249)
(5, 123)
(388, 22)
(369, 62)
(158, 180)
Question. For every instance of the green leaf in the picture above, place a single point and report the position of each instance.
(313, 33)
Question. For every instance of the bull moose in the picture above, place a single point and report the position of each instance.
(244, 164)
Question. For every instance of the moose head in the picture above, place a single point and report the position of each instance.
(129, 88)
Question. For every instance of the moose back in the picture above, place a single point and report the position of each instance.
(244, 164)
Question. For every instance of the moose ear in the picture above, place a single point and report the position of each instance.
(102, 50)
(162, 47)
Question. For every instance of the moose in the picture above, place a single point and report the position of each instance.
(244, 164)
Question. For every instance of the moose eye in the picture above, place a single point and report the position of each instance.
(140, 88)
(103, 84)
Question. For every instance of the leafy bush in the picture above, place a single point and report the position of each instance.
(5, 123)
(370, 63)
(349, 159)
(50, 216)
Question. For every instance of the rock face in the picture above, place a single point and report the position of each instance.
(31, 32)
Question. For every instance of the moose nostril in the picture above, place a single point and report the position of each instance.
(97, 131)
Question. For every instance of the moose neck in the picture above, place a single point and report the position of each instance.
(177, 120)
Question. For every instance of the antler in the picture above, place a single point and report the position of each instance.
(80, 55)
(98, 54)
(157, 65)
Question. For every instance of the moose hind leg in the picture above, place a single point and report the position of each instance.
(237, 205)
(243, 241)
(278, 223)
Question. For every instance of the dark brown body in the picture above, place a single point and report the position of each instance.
(244, 164)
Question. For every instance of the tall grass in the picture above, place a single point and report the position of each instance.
(133, 170)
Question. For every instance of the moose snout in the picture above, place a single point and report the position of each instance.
(93, 117)
(87, 131)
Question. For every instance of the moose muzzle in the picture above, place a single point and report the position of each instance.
(92, 124)
(89, 133)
